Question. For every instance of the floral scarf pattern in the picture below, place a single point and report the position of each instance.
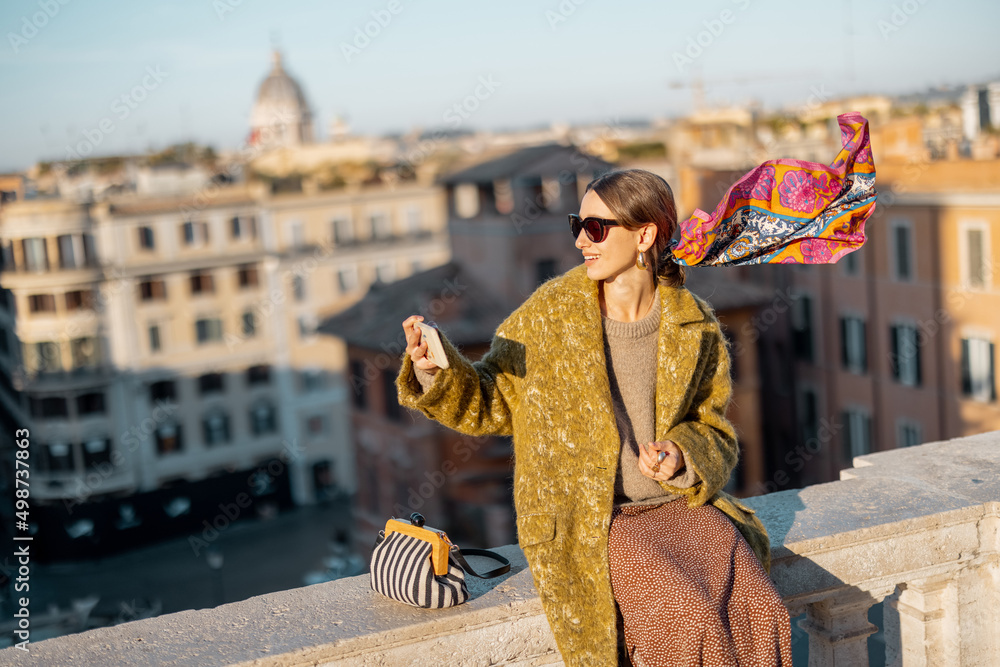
(789, 211)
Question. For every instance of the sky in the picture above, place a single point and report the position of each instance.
(135, 76)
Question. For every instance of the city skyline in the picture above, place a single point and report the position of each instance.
(189, 71)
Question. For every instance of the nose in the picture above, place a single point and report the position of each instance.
(581, 240)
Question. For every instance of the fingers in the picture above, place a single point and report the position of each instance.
(659, 460)
(416, 347)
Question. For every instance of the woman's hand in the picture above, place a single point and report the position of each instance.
(416, 347)
(660, 460)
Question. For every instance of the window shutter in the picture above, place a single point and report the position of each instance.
(844, 355)
(966, 368)
(863, 326)
(894, 354)
(917, 354)
(992, 378)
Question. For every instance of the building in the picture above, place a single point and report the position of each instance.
(281, 115)
(168, 355)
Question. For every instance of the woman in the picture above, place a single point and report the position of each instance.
(614, 381)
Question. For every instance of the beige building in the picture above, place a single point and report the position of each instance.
(169, 343)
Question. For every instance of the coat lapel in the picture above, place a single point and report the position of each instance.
(679, 353)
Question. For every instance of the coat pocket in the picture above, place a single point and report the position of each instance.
(535, 528)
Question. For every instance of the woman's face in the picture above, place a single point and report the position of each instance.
(616, 254)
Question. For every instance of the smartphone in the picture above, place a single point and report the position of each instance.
(435, 350)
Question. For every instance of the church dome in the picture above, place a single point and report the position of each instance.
(280, 115)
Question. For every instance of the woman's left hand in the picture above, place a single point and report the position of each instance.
(660, 460)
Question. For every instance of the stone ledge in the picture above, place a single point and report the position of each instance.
(900, 515)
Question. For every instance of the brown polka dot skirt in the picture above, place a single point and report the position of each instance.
(692, 592)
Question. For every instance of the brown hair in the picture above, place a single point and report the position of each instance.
(637, 197)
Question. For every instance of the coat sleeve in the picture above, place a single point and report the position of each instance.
(705, 436)
(475, 398)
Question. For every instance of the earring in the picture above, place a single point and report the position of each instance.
(640, 261)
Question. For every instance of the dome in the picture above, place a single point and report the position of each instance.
(281, 115)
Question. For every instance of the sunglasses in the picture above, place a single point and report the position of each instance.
(596, 228)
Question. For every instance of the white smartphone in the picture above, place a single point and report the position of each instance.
(435, 350)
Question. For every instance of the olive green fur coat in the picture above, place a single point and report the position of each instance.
(545, 381)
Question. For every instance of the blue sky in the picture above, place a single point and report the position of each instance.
(570, 61)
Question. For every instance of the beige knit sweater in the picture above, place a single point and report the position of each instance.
(630, 350)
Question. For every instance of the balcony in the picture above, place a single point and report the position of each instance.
(917, 529)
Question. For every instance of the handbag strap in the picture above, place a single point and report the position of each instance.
(464, 564)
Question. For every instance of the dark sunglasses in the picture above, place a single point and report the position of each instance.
(596, 228)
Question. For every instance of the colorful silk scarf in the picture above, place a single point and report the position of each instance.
(789, 211)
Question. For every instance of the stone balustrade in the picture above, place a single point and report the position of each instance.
(917, 528)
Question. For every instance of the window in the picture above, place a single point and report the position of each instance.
(808, 415)
(347, 278)
(316, 425)
(147, 241)
(857, 433)
(392, 409)
(85, 351)
(544, 269)
(299, 287)
(359, 384)
(164, 390)
(7, 262)
(975, 250)
(211, 383)
(246, 276)
(414, 220)
(168, 439)
(90, 404)
(802, 333)
(904, 342)
(466, 200)
(978, 377)
(36, 256)
(96, 451)
(249, 324)
(851, 263)
(44, 357)
(41, 303)
(89, 252)
(343, 231)
(69, 258)
(854, 353)
(259, 374)
(79, 299)
(215, 428)
(48, 407)
(194, 233)
(901, 245)
(263, 419)
(311, 380)
(385, 272)
(208, 330)
(154, 338)
(908, 433)
(307, 326)
(243, 227)
(59, 457)
(381, 225)
(152, 289)
(298, 234)
(202, 283)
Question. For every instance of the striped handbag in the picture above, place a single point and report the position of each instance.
(421, 567)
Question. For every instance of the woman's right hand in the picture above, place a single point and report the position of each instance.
(416, 347)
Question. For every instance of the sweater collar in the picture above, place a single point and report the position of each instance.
(677, 304)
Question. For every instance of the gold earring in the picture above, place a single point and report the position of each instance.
(640, 261)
